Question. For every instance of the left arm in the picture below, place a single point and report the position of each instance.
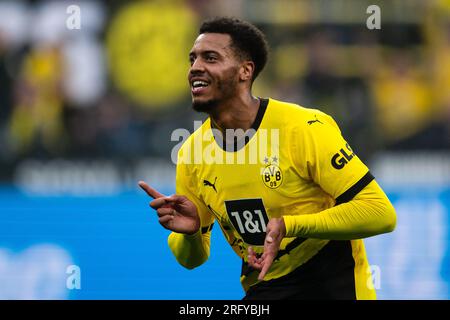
(324, 157)
(362, 208)
(369, 213)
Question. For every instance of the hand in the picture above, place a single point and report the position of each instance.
(276, 230)
(176, 213)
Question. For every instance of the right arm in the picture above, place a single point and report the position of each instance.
(187, 217)
(191, 250)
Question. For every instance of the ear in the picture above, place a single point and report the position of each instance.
(246, 71)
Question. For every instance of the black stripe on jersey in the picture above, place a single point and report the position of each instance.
(263, 103)
(246, 269)
(261, 111)
(355, 189)
(207, 228)
(291, 246)
(328, 275)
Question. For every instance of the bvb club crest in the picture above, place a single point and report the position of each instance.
(272, 175)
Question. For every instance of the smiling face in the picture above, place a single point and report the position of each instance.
(214, 73)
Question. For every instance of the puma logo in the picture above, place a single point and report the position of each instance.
(209, 184)
(310, 122)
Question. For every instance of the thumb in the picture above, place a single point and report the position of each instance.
(270, 238)
(175, 199)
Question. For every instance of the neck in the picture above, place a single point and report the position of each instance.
(236, 113)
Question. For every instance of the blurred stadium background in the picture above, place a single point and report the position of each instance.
(86, 113)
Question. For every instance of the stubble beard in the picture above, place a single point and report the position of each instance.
(204, 106)
(226, 87)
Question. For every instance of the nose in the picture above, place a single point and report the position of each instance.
(197, 66)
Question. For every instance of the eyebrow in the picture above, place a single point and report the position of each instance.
(204, 52)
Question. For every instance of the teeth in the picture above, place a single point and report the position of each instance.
(198, 83)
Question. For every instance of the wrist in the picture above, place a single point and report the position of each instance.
(193, 235)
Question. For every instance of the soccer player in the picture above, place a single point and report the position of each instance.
(296, 215)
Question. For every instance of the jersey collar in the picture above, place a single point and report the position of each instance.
(233, 147)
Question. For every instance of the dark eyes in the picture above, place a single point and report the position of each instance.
(208, 58)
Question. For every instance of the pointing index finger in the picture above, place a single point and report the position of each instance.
(149, 190)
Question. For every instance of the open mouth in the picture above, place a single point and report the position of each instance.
(198, 86)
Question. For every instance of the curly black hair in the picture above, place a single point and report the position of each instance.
(248, 41)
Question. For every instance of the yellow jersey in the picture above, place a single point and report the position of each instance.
(294, 162)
